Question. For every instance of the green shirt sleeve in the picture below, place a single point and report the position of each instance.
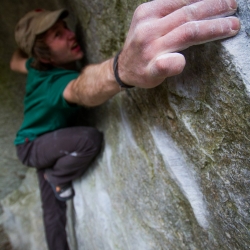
(28, 63)
(56, 87)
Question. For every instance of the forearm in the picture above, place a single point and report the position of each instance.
(95, 85)
(18, 61)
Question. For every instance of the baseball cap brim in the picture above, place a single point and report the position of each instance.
(49, 19)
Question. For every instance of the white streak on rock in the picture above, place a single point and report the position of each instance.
(108, 154)
(104, 210)
(187, 121)
(182, 174)
(127, 130)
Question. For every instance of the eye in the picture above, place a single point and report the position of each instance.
(57, 34)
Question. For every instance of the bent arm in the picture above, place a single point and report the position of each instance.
(159, 30)
(18, 62)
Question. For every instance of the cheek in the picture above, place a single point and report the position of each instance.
(59, 53)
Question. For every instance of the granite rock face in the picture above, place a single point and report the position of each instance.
(174, 170)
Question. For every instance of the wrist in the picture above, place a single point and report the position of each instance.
(116, 73)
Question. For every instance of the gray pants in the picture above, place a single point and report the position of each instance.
(65, 155)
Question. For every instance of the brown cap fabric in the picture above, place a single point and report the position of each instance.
(34, 23)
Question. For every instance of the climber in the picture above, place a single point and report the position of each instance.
(48, 52)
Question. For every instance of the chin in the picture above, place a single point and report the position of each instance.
(81, 55)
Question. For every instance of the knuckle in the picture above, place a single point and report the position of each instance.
(139, 37)
(190, 32)
(190, 12)
(141, 33)
(141, 12)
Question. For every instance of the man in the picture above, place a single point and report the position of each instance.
(159, 30)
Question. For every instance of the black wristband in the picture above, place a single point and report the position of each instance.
(117, 78)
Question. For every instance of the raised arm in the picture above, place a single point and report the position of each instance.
(18, 61)
(159, 30)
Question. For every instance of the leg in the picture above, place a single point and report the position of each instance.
(66, 152)
(78, 147)
(73, 149)
(54, 216)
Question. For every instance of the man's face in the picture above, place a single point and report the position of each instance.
(63, 45)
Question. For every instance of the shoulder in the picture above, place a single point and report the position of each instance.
(59, 82)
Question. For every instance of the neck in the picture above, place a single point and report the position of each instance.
(69, 66)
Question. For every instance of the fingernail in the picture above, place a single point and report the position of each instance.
(235, 23)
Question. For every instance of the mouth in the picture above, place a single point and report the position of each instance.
(75, 46)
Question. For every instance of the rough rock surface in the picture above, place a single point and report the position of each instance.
(174, 173)
(174, 169)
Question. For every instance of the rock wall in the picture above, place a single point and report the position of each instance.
(174, 169)
(16, 199)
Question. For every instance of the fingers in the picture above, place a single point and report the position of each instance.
(167, 65)
(162, 8)
(193, 33)
(159, 8)
(203, 10)
(177, 13)
(162, 27)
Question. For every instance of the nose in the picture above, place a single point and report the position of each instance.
(70, 35)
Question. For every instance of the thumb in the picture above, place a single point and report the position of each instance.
(167, 65)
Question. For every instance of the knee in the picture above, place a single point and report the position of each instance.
(89, 140)
(96, 137)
